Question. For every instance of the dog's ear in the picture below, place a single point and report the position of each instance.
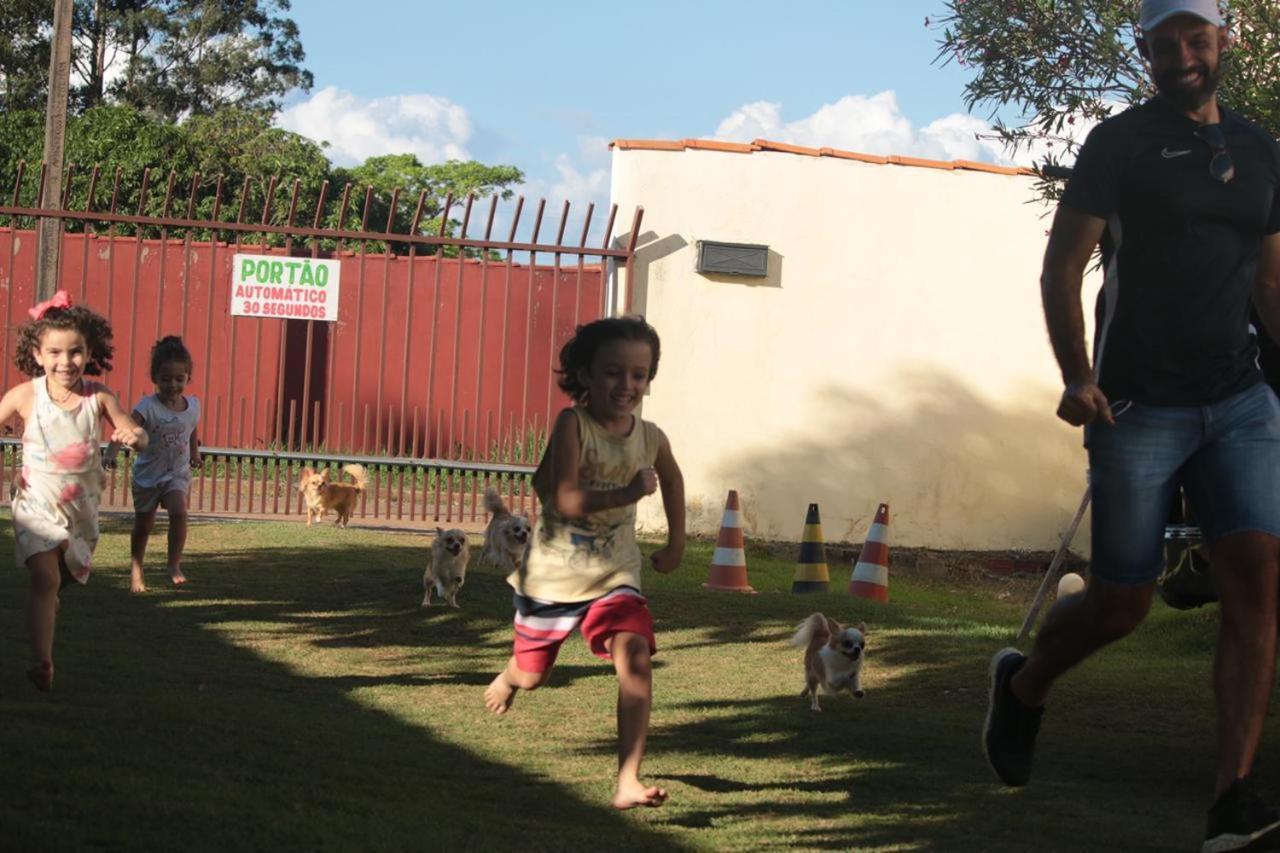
(439, 532)
(862, 628)
(833, 627)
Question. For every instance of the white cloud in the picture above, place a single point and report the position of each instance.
(434, 128)
(870, 125)
(581, 180)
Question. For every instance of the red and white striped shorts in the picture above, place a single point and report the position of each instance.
(541, 626)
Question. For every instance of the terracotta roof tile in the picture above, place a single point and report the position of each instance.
(787, 148)
(648, 144)
(854, 155)
(921, 162)
(717, 145)
(766, 145)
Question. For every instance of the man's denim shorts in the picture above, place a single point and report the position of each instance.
(1226, 455)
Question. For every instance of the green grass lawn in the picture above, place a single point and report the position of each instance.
(294, 697)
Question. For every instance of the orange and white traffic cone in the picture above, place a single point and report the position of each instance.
(729, 564)
(871, 573)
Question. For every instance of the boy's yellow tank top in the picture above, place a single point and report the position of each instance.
(583, 558)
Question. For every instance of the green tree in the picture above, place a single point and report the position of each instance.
(174, 58)
(24, 53)
(242, 146)
(1057, 62)
(194, 57)
(406, 172)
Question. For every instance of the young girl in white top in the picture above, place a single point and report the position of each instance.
(162, 472)
(55, 499)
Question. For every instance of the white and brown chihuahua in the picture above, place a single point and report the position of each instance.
(447, 570)
(833, 656)
(506, 539)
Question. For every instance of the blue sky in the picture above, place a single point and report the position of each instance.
(544, 86)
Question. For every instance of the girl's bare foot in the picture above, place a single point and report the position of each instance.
(633, 792)
(176, 575)
(41, 676)
(135, 583)
(499, 695)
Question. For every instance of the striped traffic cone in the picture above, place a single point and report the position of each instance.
(729, 564)
(811, 570)
(871, 574)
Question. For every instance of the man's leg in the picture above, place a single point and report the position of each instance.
(1246, 570)
(1134, 467)
(1075, 628)
(1232, 485)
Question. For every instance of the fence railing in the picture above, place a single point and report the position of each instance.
(240, 482)
(450, 319)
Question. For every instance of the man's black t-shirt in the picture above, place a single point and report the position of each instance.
(1179, 253)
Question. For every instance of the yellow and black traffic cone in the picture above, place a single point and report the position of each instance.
(811, 570)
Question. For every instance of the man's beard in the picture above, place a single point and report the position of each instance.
(1193, 97)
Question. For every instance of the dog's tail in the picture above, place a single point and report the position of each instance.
(357, 473)
(493, 502)
(814, 626)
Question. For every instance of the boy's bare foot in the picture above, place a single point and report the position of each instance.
(136, 585)
(499, 695)
(41, 676)
(633, 792)
(176, 575)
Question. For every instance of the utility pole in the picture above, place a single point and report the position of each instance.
(49, 237)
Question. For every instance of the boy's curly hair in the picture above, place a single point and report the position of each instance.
(580, 352)
(170, 349)
(95, 329)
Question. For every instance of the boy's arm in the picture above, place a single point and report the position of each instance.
(571, 500)
(127, 431)
(668, 559)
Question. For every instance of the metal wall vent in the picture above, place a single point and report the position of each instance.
(745, 259)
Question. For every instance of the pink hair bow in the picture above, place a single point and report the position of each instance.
(61, 299)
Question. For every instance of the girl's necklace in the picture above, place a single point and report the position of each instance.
(59, 400)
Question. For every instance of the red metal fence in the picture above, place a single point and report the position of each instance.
(439, 369)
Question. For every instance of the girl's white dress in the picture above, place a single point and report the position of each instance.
(56, 498)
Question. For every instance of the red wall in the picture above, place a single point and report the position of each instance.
(149, 288)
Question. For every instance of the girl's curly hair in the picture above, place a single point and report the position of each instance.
(580, 352)
(170, 349)
(96, 331)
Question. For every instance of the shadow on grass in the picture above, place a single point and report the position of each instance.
(1125, 760)
(166, 732)
(162, 733)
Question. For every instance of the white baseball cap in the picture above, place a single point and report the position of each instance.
(1156, 12)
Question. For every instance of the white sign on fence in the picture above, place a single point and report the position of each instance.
(285, 288)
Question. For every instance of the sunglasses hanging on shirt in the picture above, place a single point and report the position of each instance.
(1220, 167)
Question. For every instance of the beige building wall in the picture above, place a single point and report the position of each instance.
(896, 351)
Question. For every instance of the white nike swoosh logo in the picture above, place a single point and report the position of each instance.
(1169, 155)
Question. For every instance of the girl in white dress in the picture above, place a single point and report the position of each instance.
(55, 498)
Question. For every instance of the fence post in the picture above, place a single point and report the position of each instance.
(49, 237)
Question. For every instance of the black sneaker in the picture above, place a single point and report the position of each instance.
(1240, 820)
(1009, 736)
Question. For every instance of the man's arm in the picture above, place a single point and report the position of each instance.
(1266, 290)
(1072, 239)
